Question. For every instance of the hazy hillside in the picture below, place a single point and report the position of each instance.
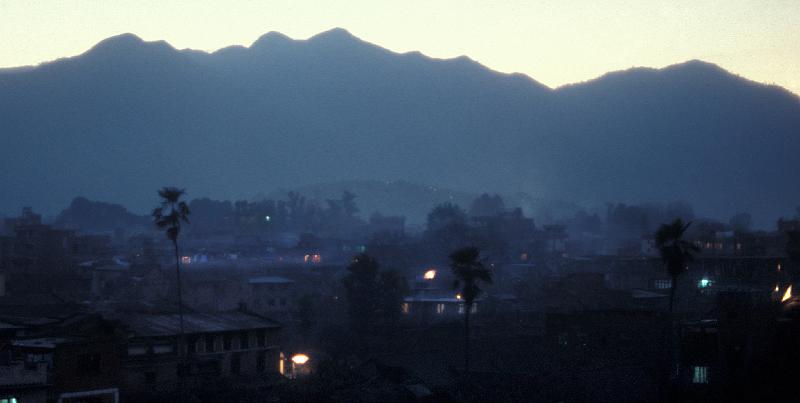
(129, 116)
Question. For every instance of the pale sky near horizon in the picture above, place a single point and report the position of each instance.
(555, 42)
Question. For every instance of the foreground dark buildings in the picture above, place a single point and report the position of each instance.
(90, 315)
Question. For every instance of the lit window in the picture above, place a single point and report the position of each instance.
(700, 375)
(663, 284)
(186, 259)
(440, 308)
(704, 283)
(406, 308)
(316, 258)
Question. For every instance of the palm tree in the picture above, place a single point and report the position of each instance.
(169, 216)
(469, 271)
(675, 251)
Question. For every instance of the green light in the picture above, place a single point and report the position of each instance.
(704, 283)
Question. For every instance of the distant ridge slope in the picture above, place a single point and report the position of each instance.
(129, 116)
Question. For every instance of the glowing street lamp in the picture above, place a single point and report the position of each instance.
(787, 295)
(300, 359)
(429, 275)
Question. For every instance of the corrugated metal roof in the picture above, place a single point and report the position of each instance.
(169, 324)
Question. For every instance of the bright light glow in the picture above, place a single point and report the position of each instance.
(300, 359)
(777, 289)
(429, 275)
(186, 259)
(316, 258)
(458, 296)
(787, 295)
(267, 218)
(704, 283)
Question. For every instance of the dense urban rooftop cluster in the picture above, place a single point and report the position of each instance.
(299, 300)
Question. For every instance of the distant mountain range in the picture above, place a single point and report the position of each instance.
(129, 116)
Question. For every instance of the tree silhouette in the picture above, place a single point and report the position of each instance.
(675, 251)
(469, 271)
(168, 217)
(793, 252)
(360, 285)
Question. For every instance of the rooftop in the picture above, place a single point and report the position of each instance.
(146, 325)
(270, 280)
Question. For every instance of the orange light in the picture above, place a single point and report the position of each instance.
(787, 295)
(458, 296)
(300, 359)
(429, 275)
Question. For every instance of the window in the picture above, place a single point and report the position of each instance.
(137, 350)
(439, 309)
(244, 340)
(663, 284)
(191, 345)
(209, 339)
(700, 375)
(406, 308)
(226, 342)
(236, 363)
(162, 349)
(261, 362)
(563, 338)
(261, 337)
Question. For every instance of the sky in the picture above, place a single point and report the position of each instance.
(555, 42)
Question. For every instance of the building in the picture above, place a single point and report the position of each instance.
(217, 346)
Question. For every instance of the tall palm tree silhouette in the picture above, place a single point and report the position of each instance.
(675, 251)
(469, 271)
(168, 217)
